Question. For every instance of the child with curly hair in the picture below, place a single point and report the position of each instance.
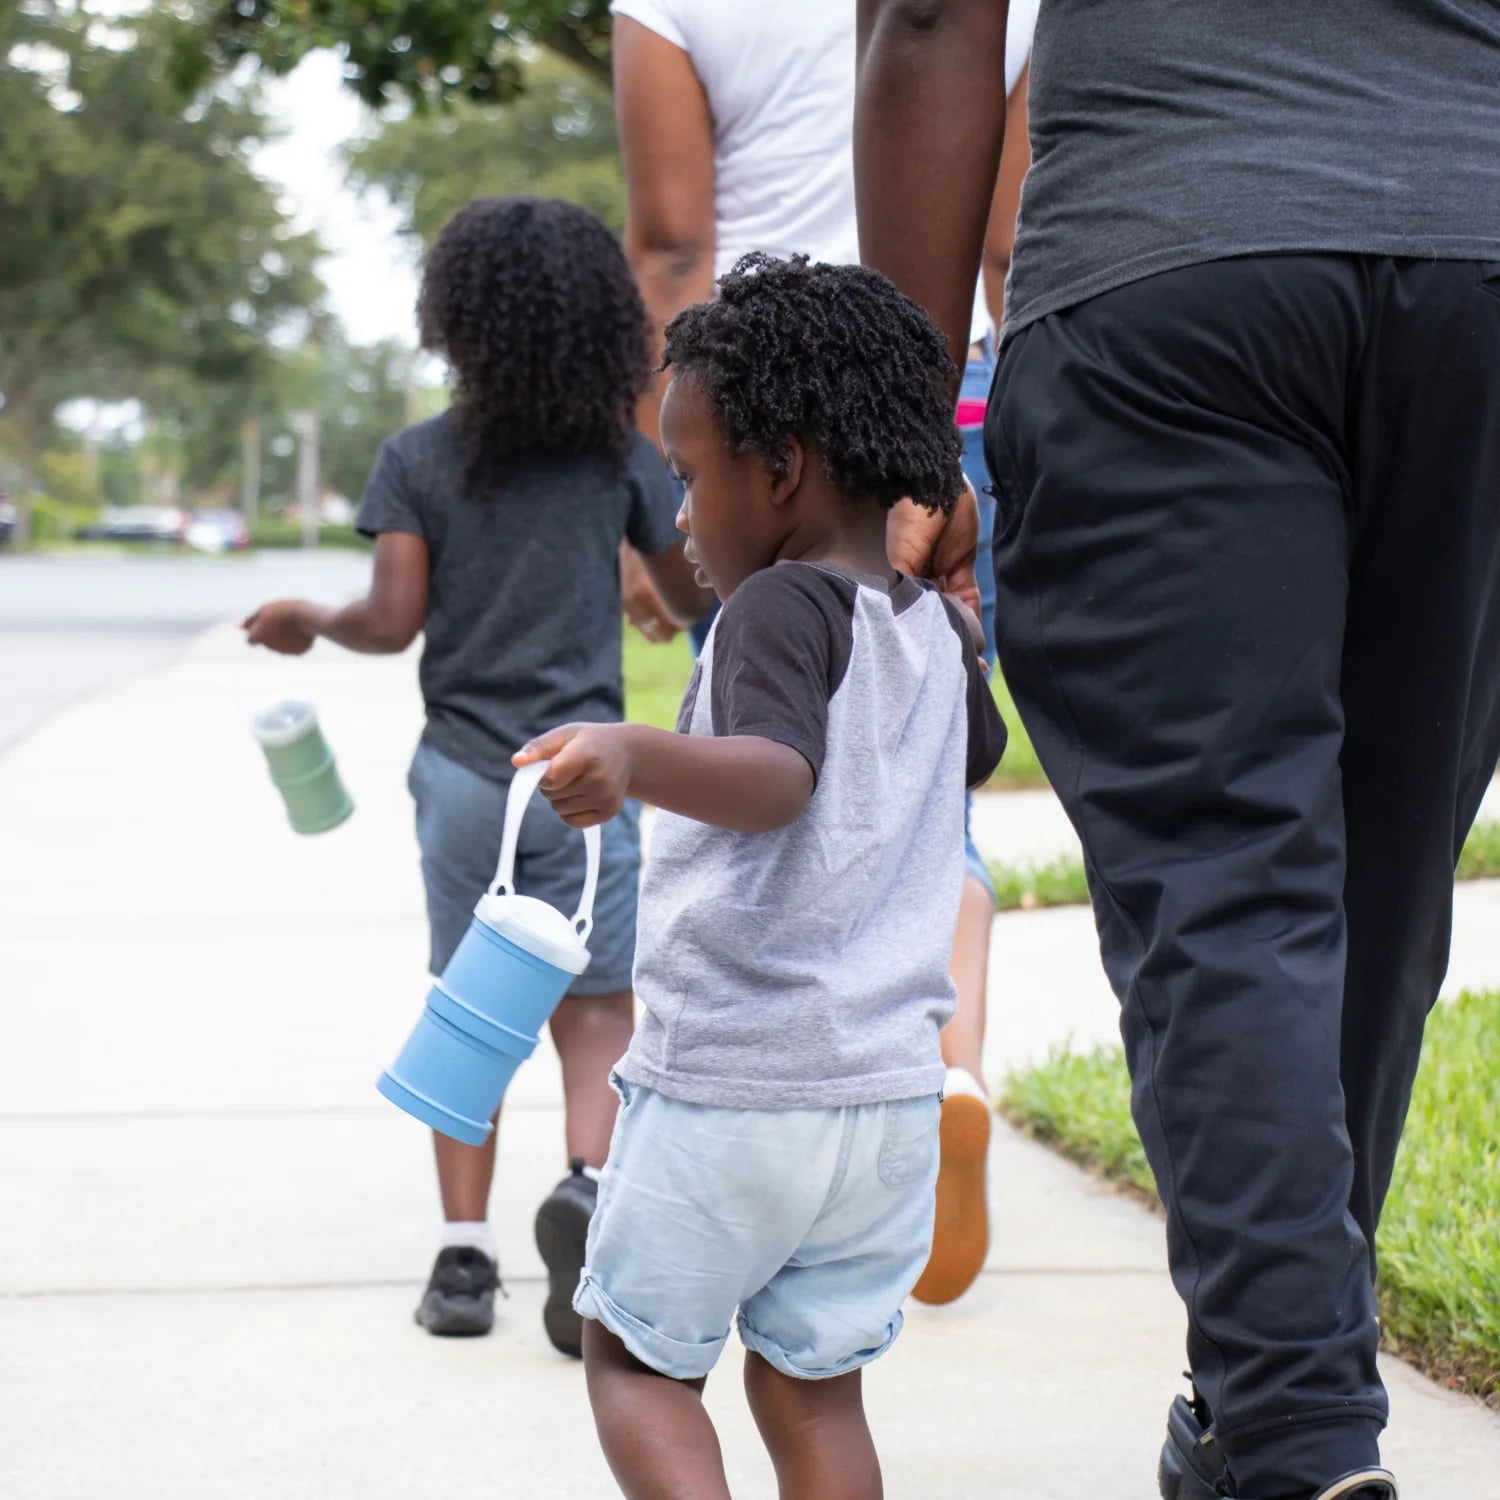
(776, 1151)
(497, 530)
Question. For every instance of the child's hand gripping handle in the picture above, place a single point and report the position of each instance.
(522, 785)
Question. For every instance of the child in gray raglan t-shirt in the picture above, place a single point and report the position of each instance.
(777, 1147)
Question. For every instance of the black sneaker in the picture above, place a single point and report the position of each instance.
(460, 1298)
(562, 1231)
(1192, 1465)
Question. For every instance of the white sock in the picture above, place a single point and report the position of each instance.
(592, 1173)
(962, 1081)
(471, 1234)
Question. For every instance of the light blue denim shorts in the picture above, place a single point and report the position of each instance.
(460, 817)
(813, 1224)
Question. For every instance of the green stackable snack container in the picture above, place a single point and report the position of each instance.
(302, 765)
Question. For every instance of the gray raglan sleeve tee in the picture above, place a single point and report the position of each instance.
(807, 967)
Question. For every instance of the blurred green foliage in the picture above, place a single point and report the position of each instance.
(555, 140)
(279, 534)
(143, 260)
(54, 520)
(140, 255)
(70, 477)
(423, 51)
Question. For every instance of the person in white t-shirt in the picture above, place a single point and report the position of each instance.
(736, 128)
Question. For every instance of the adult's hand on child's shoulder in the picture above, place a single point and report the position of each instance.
(589, 777)
(928, 544)
(278, 626)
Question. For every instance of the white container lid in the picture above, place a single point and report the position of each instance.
(283, 721)
(540, 929)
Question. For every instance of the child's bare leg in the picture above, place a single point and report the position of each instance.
(464, 1177)
(591, 1033)
(963, 1037)
(657, 1437)
(815, 1432)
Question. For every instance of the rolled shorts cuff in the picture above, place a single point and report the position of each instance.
(777, 1357)
(667, 1356)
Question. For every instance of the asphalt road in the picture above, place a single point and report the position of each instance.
(72, 626)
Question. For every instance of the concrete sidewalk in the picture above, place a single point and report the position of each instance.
(213, 1231)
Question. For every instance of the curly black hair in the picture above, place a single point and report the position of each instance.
(831, 354)
(534, 307)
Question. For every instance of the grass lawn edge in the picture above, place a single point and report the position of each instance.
(1443, 1325)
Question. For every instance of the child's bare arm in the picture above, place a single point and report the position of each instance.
(742, 782)
(386, 621)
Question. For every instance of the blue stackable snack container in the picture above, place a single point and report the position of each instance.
(485, 1013)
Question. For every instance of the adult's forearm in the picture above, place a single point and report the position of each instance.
(929, 123)
(741, 782)
(670, 280)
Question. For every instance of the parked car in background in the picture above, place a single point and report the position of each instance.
(137, 523)
(217, 531)
(7, 520)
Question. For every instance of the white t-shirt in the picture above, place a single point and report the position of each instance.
(779, 76)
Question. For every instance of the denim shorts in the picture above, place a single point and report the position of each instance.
(460, 817)
(813, 1223)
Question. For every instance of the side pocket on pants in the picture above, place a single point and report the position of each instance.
(999, 447)
(909, 1140)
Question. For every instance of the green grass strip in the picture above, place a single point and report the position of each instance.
(1440, 1233)
(1020, 769)
(1480, 859)
(1061, 882)
(1025, 887)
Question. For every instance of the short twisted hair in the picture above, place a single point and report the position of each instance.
(534, 307)
(831, 354)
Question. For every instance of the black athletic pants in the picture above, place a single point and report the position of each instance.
(1247, 552)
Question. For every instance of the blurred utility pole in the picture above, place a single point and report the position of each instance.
(250, 470)
(305, 425)
(413, 391)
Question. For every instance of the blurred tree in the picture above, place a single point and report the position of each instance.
(119, 475)
(556, 140)
(136, 244)
(71, 475)
(424, 51)
(361, 395)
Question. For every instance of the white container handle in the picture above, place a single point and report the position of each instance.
(522, 785)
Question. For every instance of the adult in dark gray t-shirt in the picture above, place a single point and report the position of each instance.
(1245, 435)
(523, 609)
(1166, 134)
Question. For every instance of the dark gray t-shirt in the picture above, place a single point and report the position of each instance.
(523, 608)
(1170, 132)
